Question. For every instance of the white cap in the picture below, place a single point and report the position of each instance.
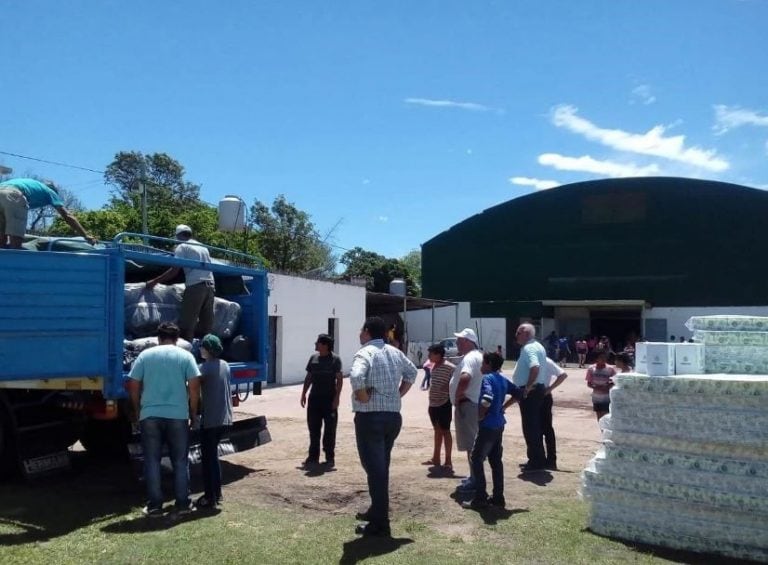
(183, 228)
(468, 333)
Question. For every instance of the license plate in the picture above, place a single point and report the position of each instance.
(46, 463)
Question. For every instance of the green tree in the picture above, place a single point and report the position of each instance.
(379, 270)
(162, 174)
(412, 261)
(288, 238)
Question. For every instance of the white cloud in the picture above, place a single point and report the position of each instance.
(538, 184)
(732, 117)
(642, 93)
(653, 142)
(448, 104)
(383, 219)
(587, 164)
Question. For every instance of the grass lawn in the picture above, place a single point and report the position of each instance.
(58, 527)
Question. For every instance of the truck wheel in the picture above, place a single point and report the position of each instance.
(106, 438)
(7, 451)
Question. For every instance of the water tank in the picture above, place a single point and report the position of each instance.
(231, 213)
(397, 287)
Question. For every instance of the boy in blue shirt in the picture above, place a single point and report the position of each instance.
(493, 393)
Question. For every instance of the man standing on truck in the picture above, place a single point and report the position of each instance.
(18, 197)
(325, 378)
(197, 302)
(164, 385)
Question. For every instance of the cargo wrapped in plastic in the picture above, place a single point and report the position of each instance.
(728, 323)
(226, 317)
(146, 309)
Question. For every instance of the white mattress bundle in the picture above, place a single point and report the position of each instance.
(732, 344)
(684, 464)
(146, 309)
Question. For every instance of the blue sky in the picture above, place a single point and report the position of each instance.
(394, 119)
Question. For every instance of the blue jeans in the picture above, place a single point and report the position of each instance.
(488, 445)
(376, 433)
(175, 433)
(209, 447)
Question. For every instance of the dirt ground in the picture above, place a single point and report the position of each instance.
(277, 479)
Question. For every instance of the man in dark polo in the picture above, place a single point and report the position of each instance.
(324, 381)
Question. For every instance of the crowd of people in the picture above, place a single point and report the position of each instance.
(473, 395)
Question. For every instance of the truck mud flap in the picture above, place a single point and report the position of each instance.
(241, 436)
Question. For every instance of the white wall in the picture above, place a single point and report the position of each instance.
(491, 331)
(676, 317)
(304, 306)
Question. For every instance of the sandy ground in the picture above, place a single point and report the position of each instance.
(275, 477)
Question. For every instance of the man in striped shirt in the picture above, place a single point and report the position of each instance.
(379, 377)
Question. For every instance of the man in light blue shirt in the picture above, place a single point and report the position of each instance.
(164, 386)
(17, 198)
(531, 375)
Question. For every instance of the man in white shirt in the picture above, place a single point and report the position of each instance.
(199, 290)
(555, 377)
(464, 390)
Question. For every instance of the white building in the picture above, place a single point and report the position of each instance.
(300, 309)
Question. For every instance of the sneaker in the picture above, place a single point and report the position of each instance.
(205, 502)
(551, 466)
(475, 504)
(329, 464)
(532, 469)
(497, 501)
(309, 463)
(363, 516)
(371, 529)
(180, 512)
(152, 512)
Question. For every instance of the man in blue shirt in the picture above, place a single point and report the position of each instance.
(530, 374)
(493, 392)
(164, 385)
(17, 198)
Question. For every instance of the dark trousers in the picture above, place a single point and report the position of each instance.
(196, 310)
(211, 469)
(547, 430)
(320, 413)
(376, 433)
(488, 445)
(174, 433)
(530, 411)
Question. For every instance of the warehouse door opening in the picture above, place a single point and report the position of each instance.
(621, 326)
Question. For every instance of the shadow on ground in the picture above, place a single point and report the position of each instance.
(491, 515)
(370, 546)
(95, 491)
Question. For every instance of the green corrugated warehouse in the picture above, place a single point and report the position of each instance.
(608, 256)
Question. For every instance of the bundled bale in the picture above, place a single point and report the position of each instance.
(226, 317)
(146, 309)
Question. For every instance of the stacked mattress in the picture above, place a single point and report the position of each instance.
(684, 462)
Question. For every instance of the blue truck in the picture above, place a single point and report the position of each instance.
(62, 365)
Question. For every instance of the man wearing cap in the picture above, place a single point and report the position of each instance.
(464, 391)
(18, 197)
(325, 379)
(531, 374)
(197, 302)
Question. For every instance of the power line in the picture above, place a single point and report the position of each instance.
(50, 162)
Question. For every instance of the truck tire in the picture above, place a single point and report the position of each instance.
(107, 438)
(7, 448)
